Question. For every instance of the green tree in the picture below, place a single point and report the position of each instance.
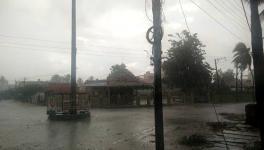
(227, 79)
(242, 60)
(22, 93)
(91, 78)
(67, 78)
(119, 73)
(80, 82)
(60, 79)
(56, 78)
(185, 66)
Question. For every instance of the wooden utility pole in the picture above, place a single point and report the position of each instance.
(258, 62)
(159, 135)
(73, 59)
(216, 72)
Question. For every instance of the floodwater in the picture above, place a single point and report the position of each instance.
(26, 127)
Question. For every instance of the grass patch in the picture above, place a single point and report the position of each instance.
(194, 140)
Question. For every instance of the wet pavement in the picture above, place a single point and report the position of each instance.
(26, 127)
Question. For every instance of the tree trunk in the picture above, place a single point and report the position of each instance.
(258, 62)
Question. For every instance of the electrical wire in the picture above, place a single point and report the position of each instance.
(220, 124)
(235, 21)
(164, 19)
(44, 50)
(29, 38)
(215, 111)
(245, 15)
(215, 20)
(230, 12)
(230, 9)
(146, 13)
(84, 47)
(186, 23)
(128, 51)
(235, 5)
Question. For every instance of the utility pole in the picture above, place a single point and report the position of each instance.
(159, 135)
(73, 59)
(216, 72)
(258, 63)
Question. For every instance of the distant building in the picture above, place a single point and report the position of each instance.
(58, 89)
(147, 78)
(113, 92)
(3, 84)
(33, 83)
(38, 98)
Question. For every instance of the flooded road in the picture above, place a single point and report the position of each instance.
(26, 127)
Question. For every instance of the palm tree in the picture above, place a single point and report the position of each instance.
(242, 60)
(258, 61)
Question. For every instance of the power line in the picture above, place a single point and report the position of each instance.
(116, 48)
(84, 45)
(220, 124)
(36, 45)
(146, 13)
(245, 15)
(218, 22)
(29, 38)
(230, 8)
(236, 5)
(162, 11)
(213, 104)
(230, 12)
(186, 23)
(66, 52)
(235, 21)
(134, 52)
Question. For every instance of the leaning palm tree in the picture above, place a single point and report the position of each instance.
(242, 60)
(258, 61)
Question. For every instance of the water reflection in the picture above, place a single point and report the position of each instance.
(25, 126)
(65, 134)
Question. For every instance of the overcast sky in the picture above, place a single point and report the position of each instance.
(35, 34)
